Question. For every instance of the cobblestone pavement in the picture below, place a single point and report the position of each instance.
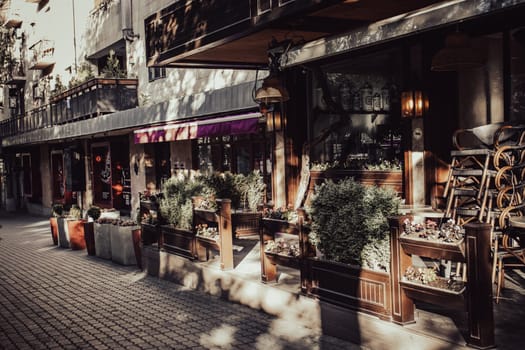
(55, 298)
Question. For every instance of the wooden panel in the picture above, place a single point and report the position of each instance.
(342, 284)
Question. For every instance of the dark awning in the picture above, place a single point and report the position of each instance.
(229, 125)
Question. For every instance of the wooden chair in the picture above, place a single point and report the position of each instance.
(511, 246)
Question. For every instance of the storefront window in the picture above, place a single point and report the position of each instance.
(237, 154)
(58, 180)
(517, 66)
(102, 176)
(356, 116)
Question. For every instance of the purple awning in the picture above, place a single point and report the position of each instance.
(230, 125)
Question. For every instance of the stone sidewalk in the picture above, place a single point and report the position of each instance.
(54, 298)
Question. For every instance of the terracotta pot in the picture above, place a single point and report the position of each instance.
(54, 229)
(89, 237)
(76, 234)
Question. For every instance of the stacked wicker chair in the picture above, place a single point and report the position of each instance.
(486, 183)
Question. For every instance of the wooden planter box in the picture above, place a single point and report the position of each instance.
(150, 233)
(122, 247)
(433, 249)
(103, 240)
(246, 223)
(178, 241)
(437, 296)
(274, 229)
(349, 286)
(223, 220)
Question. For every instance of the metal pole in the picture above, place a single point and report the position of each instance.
(74, 34)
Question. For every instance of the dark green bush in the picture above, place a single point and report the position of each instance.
(349, 222)
(94, 212)
(176, 204)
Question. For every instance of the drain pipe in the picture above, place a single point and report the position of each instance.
(127, 20)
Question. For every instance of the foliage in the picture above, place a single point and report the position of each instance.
(112, 67)
(57, 210)
(7, 40)
(94, 212)
(223, 185)
(84, 73)
(349, 222)
(75, 212)
(252, 188)
(176, 205)
(287, 214)
(59, 86)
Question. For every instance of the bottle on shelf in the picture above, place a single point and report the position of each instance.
(346, 96)
(376, 102)
(385, 98)
(366, 97)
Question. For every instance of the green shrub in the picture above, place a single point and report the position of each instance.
(349, 222)
(57, 210)
(176, 204)
(252, 189)
(223, 185)
(75, 212)
(94, 212)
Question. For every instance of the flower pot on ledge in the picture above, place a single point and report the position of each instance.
(76, 234)
(122, 244)
(102, 240)
(54, 229)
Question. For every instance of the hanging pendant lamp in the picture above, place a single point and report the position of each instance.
(457, 55)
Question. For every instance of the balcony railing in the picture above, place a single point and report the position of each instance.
(14, 73)
(43, 54)
(88, 100)
(12, 17)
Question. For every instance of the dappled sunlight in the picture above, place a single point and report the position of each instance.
(221, 337)
(36, 224)
(135, 276)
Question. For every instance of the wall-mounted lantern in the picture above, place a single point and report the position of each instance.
(413, 103)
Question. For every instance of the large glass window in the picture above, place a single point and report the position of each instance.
(356, 117)
(102, 175)
(517, 82)
(237, 154)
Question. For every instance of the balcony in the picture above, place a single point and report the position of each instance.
(12, 16)
(104, 30)
(43, 54)
(89, 100)
(15, 74)
(189, 33)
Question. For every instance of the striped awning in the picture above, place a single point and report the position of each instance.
(229, 125)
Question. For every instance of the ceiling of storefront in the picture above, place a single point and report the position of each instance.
(250, 48)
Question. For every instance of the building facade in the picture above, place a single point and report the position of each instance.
(368, 95)
(77, 85)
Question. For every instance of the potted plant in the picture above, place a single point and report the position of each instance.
(149, 217)
(176, 208)
(103, 232)
(56, 212)
(124, 234)
(75, 228)
(93, 213)
(349, 226)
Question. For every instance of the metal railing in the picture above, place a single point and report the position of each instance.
(89, 100)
